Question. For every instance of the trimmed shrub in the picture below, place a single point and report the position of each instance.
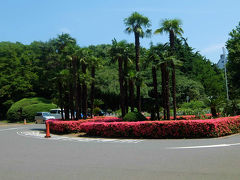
(96, 111)
(193, 105)
(112, 127)
(65, 127)
(134, 117)
(29, 106)
(165, 129)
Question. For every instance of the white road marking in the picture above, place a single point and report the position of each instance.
(39, 135)
(11, 129)
(206, 146)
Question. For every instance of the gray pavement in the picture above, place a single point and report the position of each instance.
(29, 156)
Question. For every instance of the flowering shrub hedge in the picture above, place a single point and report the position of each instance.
(165, 129)
(112, 127)
(189, 117)
(62, 127)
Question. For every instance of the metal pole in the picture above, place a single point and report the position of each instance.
(225, 72)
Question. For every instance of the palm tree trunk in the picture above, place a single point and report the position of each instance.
(131, 94)
(137, 49)
(71, 100)
(164, 91)
(167, 91)
(92, 89)
(172, 39)
(122, 96)
(154, 76)
(66, 105)
(126, 94)
(84, 93)
(213, 111)
(60, 98)
(125, 85)
(75, 104)
(174, 92)
(78, 97)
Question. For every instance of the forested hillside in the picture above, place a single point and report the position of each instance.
(163, 80)
(46, 69)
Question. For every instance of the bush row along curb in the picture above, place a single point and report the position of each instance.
(152, 129)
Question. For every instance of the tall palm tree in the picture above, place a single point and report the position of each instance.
(154, 59)
(61, 48)
(127, 64)
(173, 27)
(84, 60)
(118, 53)
(136, 23)
(94, 62)
(166, 60)
(76, 55)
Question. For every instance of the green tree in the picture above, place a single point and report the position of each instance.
(136, 23)
(233, 65)
(117, 53)
(17, 74)
(94, 62)
(62, 64)
(154, 57)
(173, 27)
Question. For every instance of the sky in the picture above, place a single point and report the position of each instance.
(206, 23)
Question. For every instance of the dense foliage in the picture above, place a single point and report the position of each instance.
(233, 66)
(120, 74)
(134, 116)
(28, 107)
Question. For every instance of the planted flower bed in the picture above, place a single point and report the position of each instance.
(64, 127)
(152, 129)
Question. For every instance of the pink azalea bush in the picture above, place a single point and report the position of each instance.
(165, 129)
(62, 127)
(113, 127)
(188, 117)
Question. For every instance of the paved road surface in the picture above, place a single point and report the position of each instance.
(26, 155)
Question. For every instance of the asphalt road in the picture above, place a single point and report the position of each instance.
(26, 155)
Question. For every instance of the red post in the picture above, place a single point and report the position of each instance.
(47, 131)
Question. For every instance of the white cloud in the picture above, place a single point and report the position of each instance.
(213, 48)
(65, 30)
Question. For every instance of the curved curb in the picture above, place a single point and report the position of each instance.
(39, 135)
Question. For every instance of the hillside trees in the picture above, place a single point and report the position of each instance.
(73, 76)
(233, 65)
(17, 74)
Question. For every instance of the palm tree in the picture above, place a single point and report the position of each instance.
(76, 92)
(154, 59)
(118, 52)
(136, 24)
(94, 62)
(166, 59)
(61, 48)
(127, 61)
(173, 27)
(84, 60)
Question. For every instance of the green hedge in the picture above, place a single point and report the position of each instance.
(134, 116)
(29, 108)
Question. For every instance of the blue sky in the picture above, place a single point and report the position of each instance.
(206, 23)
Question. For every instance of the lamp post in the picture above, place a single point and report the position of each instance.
(225, 72)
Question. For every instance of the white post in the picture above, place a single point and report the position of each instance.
(225, 72)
